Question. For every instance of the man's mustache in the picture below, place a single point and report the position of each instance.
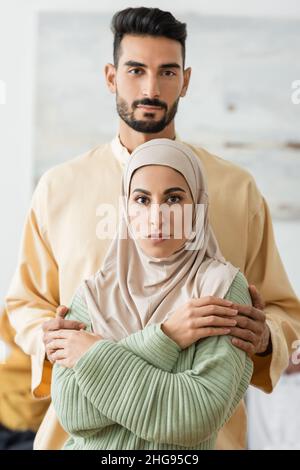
(148, 102)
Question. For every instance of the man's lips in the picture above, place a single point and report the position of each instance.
(149, 107)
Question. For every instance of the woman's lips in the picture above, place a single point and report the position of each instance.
(157, 241)
(158, 238)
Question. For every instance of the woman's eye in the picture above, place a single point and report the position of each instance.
(145, 200)
(174, 199)
(141, 200)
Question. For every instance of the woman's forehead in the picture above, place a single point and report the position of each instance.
(157, 176)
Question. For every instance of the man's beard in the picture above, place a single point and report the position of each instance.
(146, 126)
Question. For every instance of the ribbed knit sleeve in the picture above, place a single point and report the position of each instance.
(154, 346)
(179, 409)
(150, 344)
(238, 291)
(183, 408)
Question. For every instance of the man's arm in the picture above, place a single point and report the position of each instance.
(33, 295)
(265, 270)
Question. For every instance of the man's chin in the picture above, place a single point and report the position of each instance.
(147, 127)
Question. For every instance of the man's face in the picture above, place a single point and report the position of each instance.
(148, 82)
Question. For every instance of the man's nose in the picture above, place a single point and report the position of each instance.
(151, 87)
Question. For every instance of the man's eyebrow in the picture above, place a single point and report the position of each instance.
(171, 65)
(167, 191)
(133, 63)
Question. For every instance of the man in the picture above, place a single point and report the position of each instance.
(60, 245)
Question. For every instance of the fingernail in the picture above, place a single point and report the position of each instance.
(232, 312)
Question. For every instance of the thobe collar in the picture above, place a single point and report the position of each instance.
(120, 152)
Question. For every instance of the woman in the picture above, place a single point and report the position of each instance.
(149, 372)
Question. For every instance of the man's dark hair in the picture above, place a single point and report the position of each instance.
(144, 21)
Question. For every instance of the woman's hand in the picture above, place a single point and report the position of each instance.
(200, 318)
(69, 346)
(58, 323)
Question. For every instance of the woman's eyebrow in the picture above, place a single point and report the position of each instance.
(171, 190)
(167, 191)
(138, 190)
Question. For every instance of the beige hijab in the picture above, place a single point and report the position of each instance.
(132, 289)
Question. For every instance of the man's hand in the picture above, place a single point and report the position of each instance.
(58, 323)
(69, 346)
(251, 333)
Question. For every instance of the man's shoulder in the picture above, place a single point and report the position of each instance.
(235, 181)
(216, 164)
(75, 168)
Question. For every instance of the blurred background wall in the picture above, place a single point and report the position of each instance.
(245, 58)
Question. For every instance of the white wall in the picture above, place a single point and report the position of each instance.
(269, 8)
(17, 54)
(16, 69)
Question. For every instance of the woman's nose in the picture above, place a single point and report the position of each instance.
(156, 217)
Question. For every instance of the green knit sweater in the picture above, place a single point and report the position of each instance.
(144, 392)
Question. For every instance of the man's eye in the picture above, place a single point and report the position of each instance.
(169, 73)
(135, 71)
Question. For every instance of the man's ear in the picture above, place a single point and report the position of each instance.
(186, 80)
(110, 77)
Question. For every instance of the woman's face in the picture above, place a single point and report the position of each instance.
(160, 208)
